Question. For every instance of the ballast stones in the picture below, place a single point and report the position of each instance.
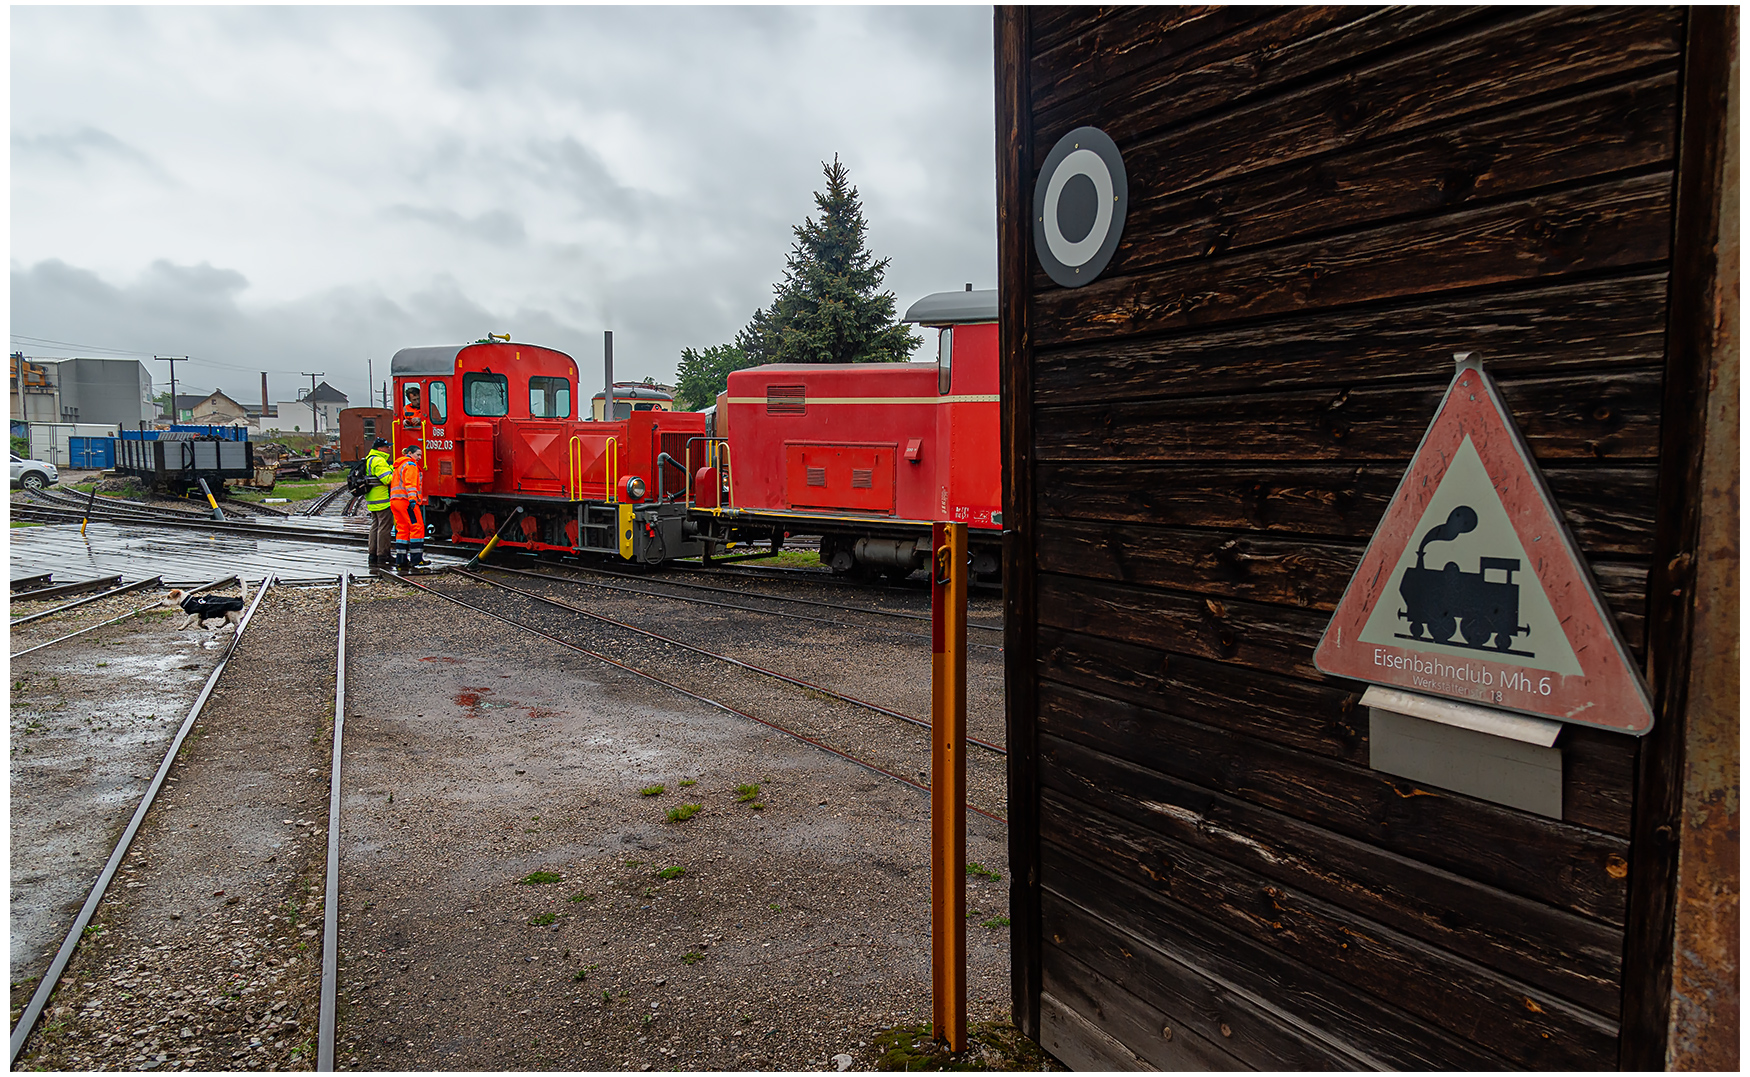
(1079, 203)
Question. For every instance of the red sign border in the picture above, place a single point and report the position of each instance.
(1473, 406)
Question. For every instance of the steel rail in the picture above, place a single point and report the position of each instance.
(751, 667)
(683, 566)
(116, 504)
(122, 590)
(295, 534)
(685, 692)
(96, 501)
(768, 572)
(252, 506)
(320, 505)
(727, 605)
(117, 620)
(44, 988)
(331, 892)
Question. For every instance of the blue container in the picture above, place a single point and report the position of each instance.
(91, 453)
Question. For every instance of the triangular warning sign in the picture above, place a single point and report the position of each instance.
(1472, 587)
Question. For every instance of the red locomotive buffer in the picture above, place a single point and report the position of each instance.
(500, 429)
(866, 455)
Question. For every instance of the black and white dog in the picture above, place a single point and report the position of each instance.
(209, 611)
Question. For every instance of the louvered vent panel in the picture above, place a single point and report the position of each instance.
(862, 478)
(786, 399)
(817, 476)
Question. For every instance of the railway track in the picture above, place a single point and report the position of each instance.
(80, 502)
(896, 748)
(587, 580)
(331, 499)
(154, 517)
(55, 508)
(726, 659)
(166, 802)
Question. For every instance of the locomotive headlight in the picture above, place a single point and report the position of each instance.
(635, 489)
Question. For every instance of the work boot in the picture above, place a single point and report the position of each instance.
(401, 564)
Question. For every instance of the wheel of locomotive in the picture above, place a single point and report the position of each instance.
(837, 556)
(1477, 630)
(1443, 627)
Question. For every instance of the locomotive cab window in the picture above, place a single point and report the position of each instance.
(549, 398)
(438, 406)
(945, 362)
(486, 395)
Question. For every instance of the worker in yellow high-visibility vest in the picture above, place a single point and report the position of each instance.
(380, 466)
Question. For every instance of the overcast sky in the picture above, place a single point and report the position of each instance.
(300, 189)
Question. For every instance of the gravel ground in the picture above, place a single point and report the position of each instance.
(744, 937)
(885, 663)
(515, 893)
(90, 719)
(205, 952)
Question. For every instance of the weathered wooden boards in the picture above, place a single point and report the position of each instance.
(1324, 205)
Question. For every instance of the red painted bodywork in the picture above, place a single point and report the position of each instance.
(870, 439)
(521, 459)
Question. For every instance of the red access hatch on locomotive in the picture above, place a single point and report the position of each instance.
(1473, 588)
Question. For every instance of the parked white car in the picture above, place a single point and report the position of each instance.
(33, 474)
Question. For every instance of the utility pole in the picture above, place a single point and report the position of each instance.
(23, 416)
(172, 360)
(314, 423)
(369, 377)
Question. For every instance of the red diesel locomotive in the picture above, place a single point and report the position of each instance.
(500, 430)
(865, 455)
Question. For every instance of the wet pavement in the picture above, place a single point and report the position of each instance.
(183, 555)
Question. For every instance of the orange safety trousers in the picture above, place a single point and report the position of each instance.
(404, 495)
(409, 520)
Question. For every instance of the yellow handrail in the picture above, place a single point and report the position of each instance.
(574, 457)
(726, 489)
(611, 468)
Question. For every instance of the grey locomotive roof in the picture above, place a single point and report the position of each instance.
(409, 362)
(636, 392)
(954, 308)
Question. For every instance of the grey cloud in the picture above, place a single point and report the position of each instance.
(579, 175)
(497, 182)
(86, 146)
(498, 227)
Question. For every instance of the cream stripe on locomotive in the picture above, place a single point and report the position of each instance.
(968, 398)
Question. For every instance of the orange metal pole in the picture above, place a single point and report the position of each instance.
(948, 782)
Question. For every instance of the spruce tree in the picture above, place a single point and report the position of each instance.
(829, 309)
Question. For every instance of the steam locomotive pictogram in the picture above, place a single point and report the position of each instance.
(1441, 603)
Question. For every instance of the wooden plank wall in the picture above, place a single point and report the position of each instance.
(1325, 204)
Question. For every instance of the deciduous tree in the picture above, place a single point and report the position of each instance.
(704, 374)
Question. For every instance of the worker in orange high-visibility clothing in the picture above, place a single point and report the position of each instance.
(412, 414)
(406, 498)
